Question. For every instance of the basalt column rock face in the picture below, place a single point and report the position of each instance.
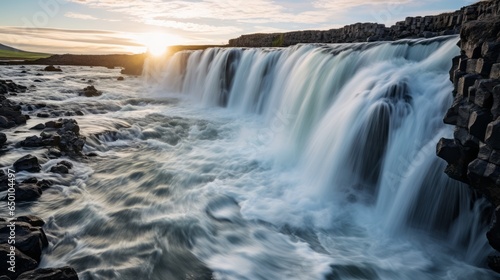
(473, 155)
(411, 27)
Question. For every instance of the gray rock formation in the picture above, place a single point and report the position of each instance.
(411, 27)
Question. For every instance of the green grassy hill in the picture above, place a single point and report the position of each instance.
(8, 53)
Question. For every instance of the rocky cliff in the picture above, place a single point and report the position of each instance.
(411, 27)
(473, 155)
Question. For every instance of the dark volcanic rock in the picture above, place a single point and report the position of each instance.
(90, 91)
(23, 263)
(27, 163)
(63, 273)
(51, 68)
(32, 220)
(59, 168)
(3, 139)
(39, 126)
(120, 78)
(27, 192)
(10, 113)
(30, 240)
(493, 234)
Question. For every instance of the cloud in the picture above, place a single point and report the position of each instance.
(85, 17)
(79, 16)
(155, 12)
(52, 40)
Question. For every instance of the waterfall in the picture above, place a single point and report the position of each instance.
(357, 122)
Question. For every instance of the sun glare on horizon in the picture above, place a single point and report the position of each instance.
(157, 44)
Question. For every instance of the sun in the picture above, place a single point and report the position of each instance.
(156, 43)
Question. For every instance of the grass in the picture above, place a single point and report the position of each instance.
(278, 41)
(6, 55)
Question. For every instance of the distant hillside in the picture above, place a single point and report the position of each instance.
(10, 53)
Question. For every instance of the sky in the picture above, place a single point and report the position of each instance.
(131, 26)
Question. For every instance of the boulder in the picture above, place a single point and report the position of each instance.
(63, 273)
(60, 169)
(90, 91)
(120, 78)
(51, 68)
(27, 192)
(66, 163)
(30, 240)
(39, 126)
(27, 163)
(32, 220)
(23, 262)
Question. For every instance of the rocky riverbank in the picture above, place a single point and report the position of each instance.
(411, 27)
(131, 64)
(62, 142)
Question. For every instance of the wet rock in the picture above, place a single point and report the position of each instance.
(53, 124)
(448, 150)
(4, 122)
(43, 115)
(92, 154)
(30, 240)
(120, 78)
(39, 126)
(44, 184)
(79, 113)
(4, 181)
(54, 153)
(66, 163)
(60, 169)
(27, 163)
(493, 234)
(478, 121)
(31, 141)
(31, 180)
(494, 263)
(51, 68)
(492, 137)
(63, 273)
(90, 91)
(27, 192)
(23, 262)
(11, 114)
(3, 139)
(32, 220)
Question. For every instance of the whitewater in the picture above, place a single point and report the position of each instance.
(307, 162)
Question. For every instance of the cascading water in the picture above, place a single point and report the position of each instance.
(309, 162)
(350, 131)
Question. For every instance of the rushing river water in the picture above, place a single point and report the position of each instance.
(311, 162)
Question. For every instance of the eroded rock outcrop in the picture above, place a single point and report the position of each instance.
(411, 27)
(473, 155)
